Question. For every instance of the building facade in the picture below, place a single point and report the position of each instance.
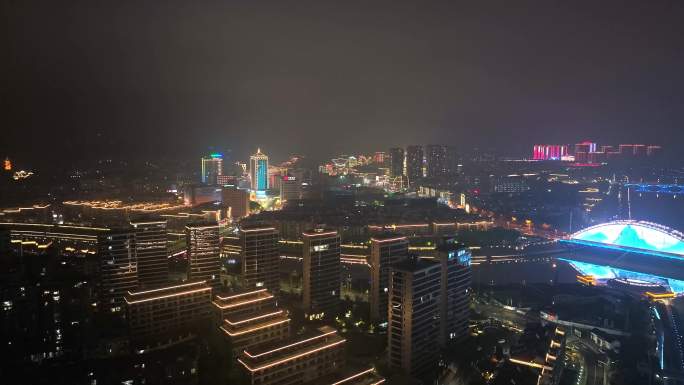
(414, 163)
(436, 161)
(413, 325)
(236, 201)
(260, 257)
(258, 171)
(296, 361)
(118, 268)
(212, 167)
(386, 249)
(204, 263)
(396, 155)
(321, 273)
(290, 188)
(168, 314)
(151, 252)
(456, 279)
(251, 318)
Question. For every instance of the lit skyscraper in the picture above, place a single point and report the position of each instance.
(386, 249)
(322, 268)
(118, 269)
(212, 167)
(260, 257)
(204, 261)
(258, 171)
(436, 160)
(414, 163)
(412, 329)
(151, 252)
(396, 162)
(454, 259)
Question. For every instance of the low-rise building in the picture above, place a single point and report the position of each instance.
(166, 315)
(251, 318)
(299, 360)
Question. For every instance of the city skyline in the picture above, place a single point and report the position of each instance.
(311, 192)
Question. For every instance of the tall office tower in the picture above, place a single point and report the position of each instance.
(379, 157)
(290, 188)
(452, 160)
(258, 171)
(212, 167)
(118, 267)
(299, 360)
(168, 314)
(236, 201)
(204, 263)
(396, 162)
(386, 249)
(152, 254)
(436, 160)
(456, 278)
(250, 318)
(260, 257)
(413, 327)
(322, 283)
(414, 163)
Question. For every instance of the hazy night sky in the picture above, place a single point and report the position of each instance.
(125, 78)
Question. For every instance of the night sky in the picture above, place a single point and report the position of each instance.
(175, 78)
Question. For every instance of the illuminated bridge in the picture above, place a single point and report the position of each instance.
(656, 188)
(631, 253)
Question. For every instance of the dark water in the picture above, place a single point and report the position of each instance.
(532, 272)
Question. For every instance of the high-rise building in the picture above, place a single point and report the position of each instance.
(118, 268)
(379, 157)
(258, 171)
(413, 325)
(290, 188)
(396, 155)
(436, 156)
(260, 257)
(204, 263)
(386, 249)
(299, 360)
(167, 314)
(151, 252)
(321, 269)
(251, 318)
(212, 167)
(454, 259)
(414, 163)
(236, 201)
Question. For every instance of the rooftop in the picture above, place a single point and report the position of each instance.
(414, 264)
(270, 354)
(167, 291)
